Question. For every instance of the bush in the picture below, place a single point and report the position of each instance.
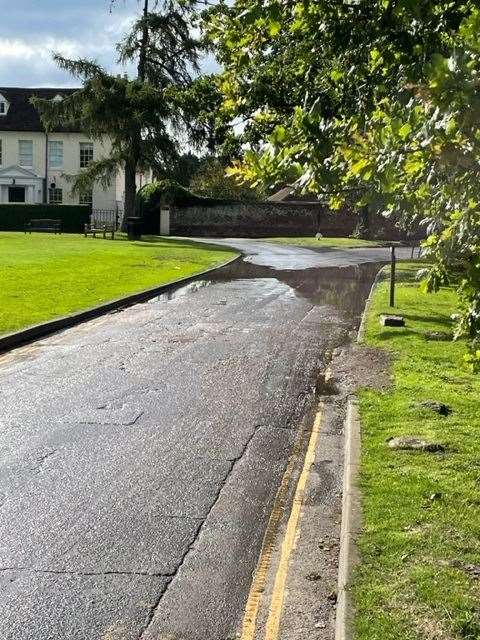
(73, 217)
(212, 181)
(170, 192)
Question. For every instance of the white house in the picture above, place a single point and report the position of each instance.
(33, 164)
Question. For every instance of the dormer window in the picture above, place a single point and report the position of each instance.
(3, 106)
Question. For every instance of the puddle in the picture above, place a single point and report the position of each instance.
(180, 292)
(344, 288)
(325, 387)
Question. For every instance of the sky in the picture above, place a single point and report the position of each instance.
(31, 29)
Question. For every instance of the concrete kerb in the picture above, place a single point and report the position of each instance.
(351, 519)
(30, 334)
(368, 304)
(351, 501)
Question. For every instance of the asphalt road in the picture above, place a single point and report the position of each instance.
(140, 453)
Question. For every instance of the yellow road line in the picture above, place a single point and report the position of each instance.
(276, 605)
(260, 577)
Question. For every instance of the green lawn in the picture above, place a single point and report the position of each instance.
(421, 539)
(341, 243)
(45, 276)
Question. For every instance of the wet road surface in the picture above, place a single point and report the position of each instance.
(140, 453)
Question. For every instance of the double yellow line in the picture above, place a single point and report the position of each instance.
(272, 627)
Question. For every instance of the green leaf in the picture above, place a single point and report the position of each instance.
(336, 75)
(274, 27)
(358, 166)
(413, 164)
(404, 131)
(279, 135)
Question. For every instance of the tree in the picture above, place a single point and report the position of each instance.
(140, 115)
(208, 129)
(182, 170)
(212, 181)
(280, 56)
(382, 106)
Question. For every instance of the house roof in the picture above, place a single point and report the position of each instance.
(22, 115)
(282, 195)
(287, 195)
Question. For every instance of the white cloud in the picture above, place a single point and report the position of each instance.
(79, 30)
(21, 51)
(29, 62)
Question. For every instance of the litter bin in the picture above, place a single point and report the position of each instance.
(134, 228)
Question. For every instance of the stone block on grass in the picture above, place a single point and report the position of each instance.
(392, 321)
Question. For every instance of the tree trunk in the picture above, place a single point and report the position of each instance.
(131, 164)
(365, 222)
(130, 190)
(142, 59)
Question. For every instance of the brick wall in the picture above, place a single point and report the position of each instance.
(263, 219)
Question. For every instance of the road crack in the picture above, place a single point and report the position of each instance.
(85, 573)
(233, 462)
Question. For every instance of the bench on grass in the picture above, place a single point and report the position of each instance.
(99, 227)
(46, 225)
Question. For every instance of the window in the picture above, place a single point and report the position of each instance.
(1, 153)
(25, 153)
(86, 154)
(55, 154)
(86, 198)
(55, 196)
(3, 105)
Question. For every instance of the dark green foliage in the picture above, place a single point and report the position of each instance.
(151, 196)
(170, 192)
(161, 41)
(212, 181)
(73, 217)
(206, 124)
(181, 170)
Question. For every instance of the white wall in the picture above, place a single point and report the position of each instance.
(141, 180)
(102, 199)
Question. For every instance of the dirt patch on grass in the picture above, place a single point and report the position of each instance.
(357, 366)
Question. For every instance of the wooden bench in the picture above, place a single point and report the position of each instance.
(99, 227)
(45, 225)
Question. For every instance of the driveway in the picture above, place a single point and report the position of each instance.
(141, 452)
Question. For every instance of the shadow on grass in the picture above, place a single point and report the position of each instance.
(152, 242)
(442, 320)
(391, 333)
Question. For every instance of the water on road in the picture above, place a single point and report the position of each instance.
(141, 452)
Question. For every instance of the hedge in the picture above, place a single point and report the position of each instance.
(171, 192)
(73, 217)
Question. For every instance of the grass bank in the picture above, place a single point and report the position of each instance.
(340, 243)
(44, 276)
(420, 547)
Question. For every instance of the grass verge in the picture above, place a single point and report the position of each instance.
(46, 276)
(340, 243)
(420, 545)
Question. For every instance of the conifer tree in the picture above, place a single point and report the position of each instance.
(138, 115)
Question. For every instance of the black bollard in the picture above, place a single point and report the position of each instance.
(392, 277)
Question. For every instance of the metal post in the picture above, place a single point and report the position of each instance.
(45, 180)
(392, 277)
